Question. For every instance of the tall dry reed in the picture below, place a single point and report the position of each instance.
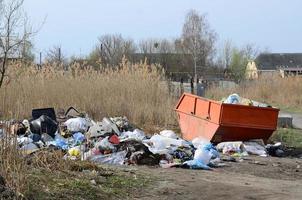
(138, 91)
(285, 93)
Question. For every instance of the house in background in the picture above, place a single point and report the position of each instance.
(284, 64)
(251, 70)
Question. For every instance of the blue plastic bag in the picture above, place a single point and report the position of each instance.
(78, 138)
(196, 164)
(61, 142)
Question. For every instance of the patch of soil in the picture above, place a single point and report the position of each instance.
(252, 178)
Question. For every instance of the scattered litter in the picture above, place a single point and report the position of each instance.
(117, 158)
(231, 147)
(275, 150)
(115, 141)
(236, 99)
(255, 148)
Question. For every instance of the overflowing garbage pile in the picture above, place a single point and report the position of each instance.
(236, 99)
(116, 141)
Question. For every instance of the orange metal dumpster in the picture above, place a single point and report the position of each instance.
(218, 122)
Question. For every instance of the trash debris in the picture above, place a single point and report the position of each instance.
(169, 134)
(236, 99)
(231, 147)
(78, 138)
(78, 124)
(29, 148)
(136, 135)
(275, 150)
(115, 141)
(232, 99)
(255, 148)
(117, 158)
(44, 124)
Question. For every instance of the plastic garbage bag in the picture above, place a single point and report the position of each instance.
(196, 164)
(78, 137)
(255, 148)
(46, 138)
(122, 123)
(169, 134)
(78, 124)
(233, 99)
(109, 124)
(74, 151)
(197, 142)
(136, 135)
(159, 144)
(105, 145)
(29, 148)
(275, 149)
(204, 153)
(35, 137)
(258, 104)
(24, 140)
(230, 147)
(98, 130)
(61, 142)
(117, 158)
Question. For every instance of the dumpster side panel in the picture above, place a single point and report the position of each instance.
(208, 110)
(249, 116)
(186, 104)
(225, 133)
(198, 117)
(192, 127)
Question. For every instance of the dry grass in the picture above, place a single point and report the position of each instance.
(138, 91)
(285, 93)
(13, 167)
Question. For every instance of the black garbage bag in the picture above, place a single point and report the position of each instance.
(138, 153)
(44, 124)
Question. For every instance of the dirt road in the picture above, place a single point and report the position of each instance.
(254, 178)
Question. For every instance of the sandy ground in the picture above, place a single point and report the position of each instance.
(253, 178)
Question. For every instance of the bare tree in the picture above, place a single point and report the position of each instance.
(54, 55)
(12, 32)
(166, 46)
(198, 39)
(250, 51)
(112, 48)
(225, 54)
(149, 46)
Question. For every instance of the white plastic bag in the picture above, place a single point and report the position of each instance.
(203, 155)
(29, 148)
(24, 140)
(233, 99)
(136, 135)
(78, 124)
(117, 158)
(197, 142)
(106, 145)
(255, 148)
(159, 144)
(168, 134)
(230, 147)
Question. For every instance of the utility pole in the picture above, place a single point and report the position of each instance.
(40, 60)
(59, 54)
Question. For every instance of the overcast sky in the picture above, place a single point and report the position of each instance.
(76, 24)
